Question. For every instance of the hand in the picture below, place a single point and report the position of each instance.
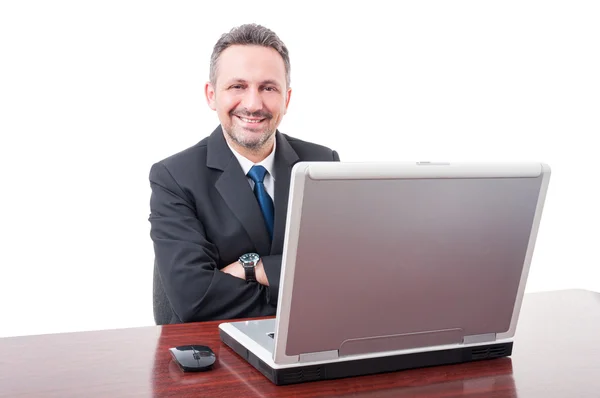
(236, 269)
(261, 275)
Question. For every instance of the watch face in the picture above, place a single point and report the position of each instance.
(249, 258)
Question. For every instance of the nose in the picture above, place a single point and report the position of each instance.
(252, 101)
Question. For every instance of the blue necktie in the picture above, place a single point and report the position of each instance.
(257, 174)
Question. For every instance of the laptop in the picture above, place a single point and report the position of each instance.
(389, 266)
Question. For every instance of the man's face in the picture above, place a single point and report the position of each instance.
(250, 94)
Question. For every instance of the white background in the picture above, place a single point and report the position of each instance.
(92, 93)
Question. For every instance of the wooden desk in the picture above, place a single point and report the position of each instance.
(556, 354)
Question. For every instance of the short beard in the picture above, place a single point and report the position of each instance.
(254, 146)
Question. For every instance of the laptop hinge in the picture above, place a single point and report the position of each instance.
(479, 338)
(319, 356)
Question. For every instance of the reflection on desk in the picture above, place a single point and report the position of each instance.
(556, 354)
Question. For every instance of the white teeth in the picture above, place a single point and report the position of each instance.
(250, 120)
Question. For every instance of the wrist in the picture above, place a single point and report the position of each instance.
(249, 261)
(261, 275)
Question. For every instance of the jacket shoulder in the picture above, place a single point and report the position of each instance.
(309, 150)
(186, 157)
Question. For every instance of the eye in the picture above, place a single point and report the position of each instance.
(236, 87)
(271, 89)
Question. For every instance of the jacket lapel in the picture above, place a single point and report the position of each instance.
(285, 158)
(236, 192)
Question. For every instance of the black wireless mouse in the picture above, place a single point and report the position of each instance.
(193, 358)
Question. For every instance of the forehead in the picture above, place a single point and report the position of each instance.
(251, 63)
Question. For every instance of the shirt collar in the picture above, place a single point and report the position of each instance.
(246, 164)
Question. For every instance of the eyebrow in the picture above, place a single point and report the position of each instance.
(269, 81)
(262, 83)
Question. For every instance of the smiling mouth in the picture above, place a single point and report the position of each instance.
(251, 121)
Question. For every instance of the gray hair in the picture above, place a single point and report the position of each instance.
(249, 34)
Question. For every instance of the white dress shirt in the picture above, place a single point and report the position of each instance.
(268, 163)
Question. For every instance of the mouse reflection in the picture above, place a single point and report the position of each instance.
(169, 380)
(167, 376)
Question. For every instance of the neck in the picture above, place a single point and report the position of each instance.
(255, 155)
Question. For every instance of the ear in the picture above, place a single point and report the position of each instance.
(209, 91)
(288, 95)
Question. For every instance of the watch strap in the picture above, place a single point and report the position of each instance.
(250, 274)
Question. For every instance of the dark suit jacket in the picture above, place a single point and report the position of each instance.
(204, 215)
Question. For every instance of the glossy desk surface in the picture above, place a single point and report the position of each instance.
(556, 354)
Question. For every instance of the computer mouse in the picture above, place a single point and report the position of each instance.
(193, 358)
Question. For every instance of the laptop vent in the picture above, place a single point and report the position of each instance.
(488, 352)
(303, 375)
(263, 367)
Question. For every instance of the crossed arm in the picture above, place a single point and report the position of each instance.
(236, 269)
(187, 261)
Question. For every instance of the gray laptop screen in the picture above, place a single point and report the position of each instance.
(410, 256)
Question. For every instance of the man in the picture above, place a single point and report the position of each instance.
(218, 208)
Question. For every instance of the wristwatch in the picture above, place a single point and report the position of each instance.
(249, 261)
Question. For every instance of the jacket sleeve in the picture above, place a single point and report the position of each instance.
(187, 260)
(272, 265)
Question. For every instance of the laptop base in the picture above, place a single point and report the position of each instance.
(362, 367)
